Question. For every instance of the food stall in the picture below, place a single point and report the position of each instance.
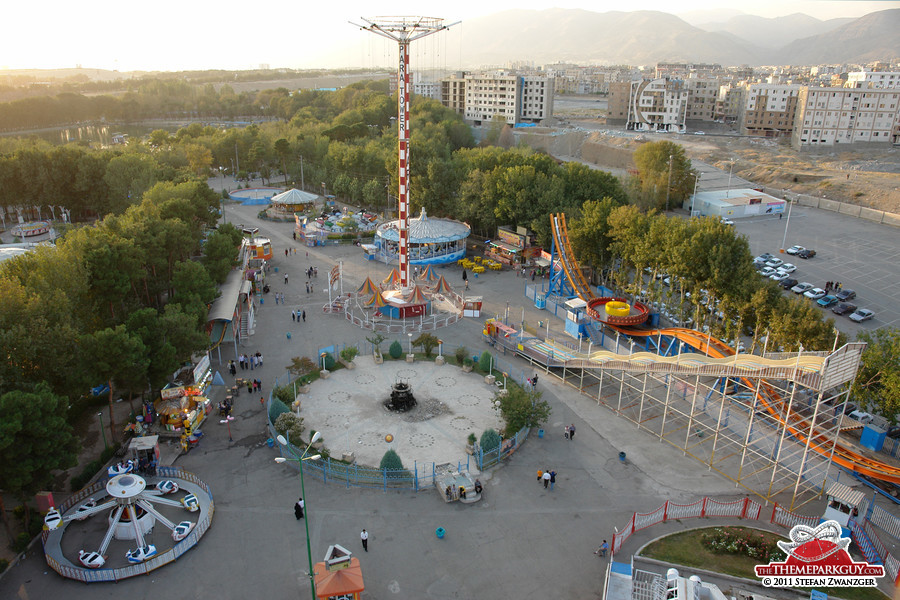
(144, 451)
(339, 577)
(182, 406)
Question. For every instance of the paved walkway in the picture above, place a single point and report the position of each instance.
(521, 541)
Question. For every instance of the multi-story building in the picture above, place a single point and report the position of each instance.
(729, 103)
(649, 105)
(490, 95)
(428, 89)
(768, 110)
(873, 79)
(832, 116)
(453, 92)
(702, 95)
(685, 70)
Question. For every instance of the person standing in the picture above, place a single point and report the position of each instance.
(364, 536)
(566, 434)
(298, 509)
(293, 315)
(303, 314)
(572, 431)
(552, 479)
(231, 368)
(241, 361)
(546, 479)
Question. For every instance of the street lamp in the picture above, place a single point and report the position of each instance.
(787, 224)
(409, 335)
(322, 356)
(696, 183)
(730, 172)
(299, 459)
(103, 431)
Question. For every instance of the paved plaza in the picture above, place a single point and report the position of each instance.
(520, 541)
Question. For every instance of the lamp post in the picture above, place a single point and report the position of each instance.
(299, 459)
(694, 197)
(440, 348)
(730, 172)
(409, 335)
(322, 356)
(103, 431)
(788, 223)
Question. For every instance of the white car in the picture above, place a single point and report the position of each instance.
(774, 263)
(727, 221)
(787, 268)
(139, 555)
(91, 560)
(801, 288)
(795, 249)
(814, 293)
(863, 314)
(181, 530)
(779, 275)
(767, 271)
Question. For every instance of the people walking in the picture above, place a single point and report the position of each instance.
(364, 536)
(232, 368)
(298, 509)
(241, 361)
(572, 431)
(552, 479)
(285, 278)
(293, 315)
(566, 434)
(303, 314)
(546, 479)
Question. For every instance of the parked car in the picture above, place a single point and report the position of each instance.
(845, 295)
(802, 288)
(814, 294)
(863, 314)
(779, 276)
(893, 431)
(762, 258)
(844, 308)
(727, 221)
(795, 250)
(827, 301)
(767, 271)
(787, 267)
(806, 253)
(788, 283)
(862, 417)
(774, 262)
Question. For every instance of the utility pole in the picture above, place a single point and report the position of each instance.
(404, 31)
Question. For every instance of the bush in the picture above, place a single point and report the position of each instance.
(467, 362)
(485, 361)
(301, 365)
(472, 439)
(391, 461)
(738, 540)
(90, 469)
(20, 544)
(490, 440)
(328, 361)
(395, 350)
(349, 353)
(285, 393)
(277, 409)
(462, 353)
(428, 342)
(521, 408)
(290, 425)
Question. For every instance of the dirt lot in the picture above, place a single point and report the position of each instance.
(863, 176)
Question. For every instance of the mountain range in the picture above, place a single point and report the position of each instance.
(648, 37)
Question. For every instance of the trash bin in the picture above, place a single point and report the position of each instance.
(621, 457)
(276, 269)
(270, 443)
(440, 531)
(540, 433)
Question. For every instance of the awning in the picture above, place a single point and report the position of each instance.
(223, 307)
(506, 247)
(542, 262)
(849, 496)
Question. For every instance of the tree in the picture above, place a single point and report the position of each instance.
(590, 235)
(490, 440)
(485, 362)
(391, 461)
(877, 383)
(652, 160)
(427, 342)
(522, 408)
(395, 350)
(283, 150)
(35, 439)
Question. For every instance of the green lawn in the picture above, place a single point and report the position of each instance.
(686, 549)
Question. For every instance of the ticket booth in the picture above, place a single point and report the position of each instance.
(576, 318)
(843, 505)
(339, 576)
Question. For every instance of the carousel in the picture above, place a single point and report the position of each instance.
(431, 241)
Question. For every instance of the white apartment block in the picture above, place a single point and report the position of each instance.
(453, 92)
(428, 89)
(512, 97)
(832, 116)
(650, 105)
(769, 110)
(729, 103)
(537, 98)
(873, 79)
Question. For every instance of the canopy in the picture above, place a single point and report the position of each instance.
(849, 496)
(416, 296)
(426, 231)
(393, 278)
(340, 582)
(377, 301)
(442, 287)
(294, 197)
(367, 287)
(429, 275)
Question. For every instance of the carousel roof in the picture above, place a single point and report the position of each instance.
(429, 275)
(442, 287)
(392, 278)
(367, 287)
(424, 230)
(416, 296)
(294, 196)
(377, 300)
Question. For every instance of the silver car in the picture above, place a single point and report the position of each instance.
(802, 288)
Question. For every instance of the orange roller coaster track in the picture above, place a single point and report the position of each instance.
(768, 397)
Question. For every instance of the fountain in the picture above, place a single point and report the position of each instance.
(401, 399)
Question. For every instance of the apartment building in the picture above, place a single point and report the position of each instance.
(686, 70)
(453, 92)
(832, 116)
(536, 97)
(702, 96)
(873, 79)
(768, 110)
(649, 105)
(729, 103)
(490, 95)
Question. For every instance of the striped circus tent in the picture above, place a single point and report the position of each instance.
(376, 301)
(368, 287)
(429, 275)
(416, 296)
(442, 287)
(393, 278)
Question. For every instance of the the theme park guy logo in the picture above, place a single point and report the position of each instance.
(818, 557)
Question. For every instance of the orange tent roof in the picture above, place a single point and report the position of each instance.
(338, 583)
(367, 287)
(428, 275)
(377, 300)
(392, 278)
(416, 296)
(442, 287)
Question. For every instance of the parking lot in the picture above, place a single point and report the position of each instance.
(859, 254)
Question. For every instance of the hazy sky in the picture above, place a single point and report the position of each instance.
(190, 34)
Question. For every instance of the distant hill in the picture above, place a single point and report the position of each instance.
(874, 36)
(777, 32)
(647, 37)
(702, 16)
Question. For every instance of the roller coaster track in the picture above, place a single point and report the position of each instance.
(567, 257)
(769, 399)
